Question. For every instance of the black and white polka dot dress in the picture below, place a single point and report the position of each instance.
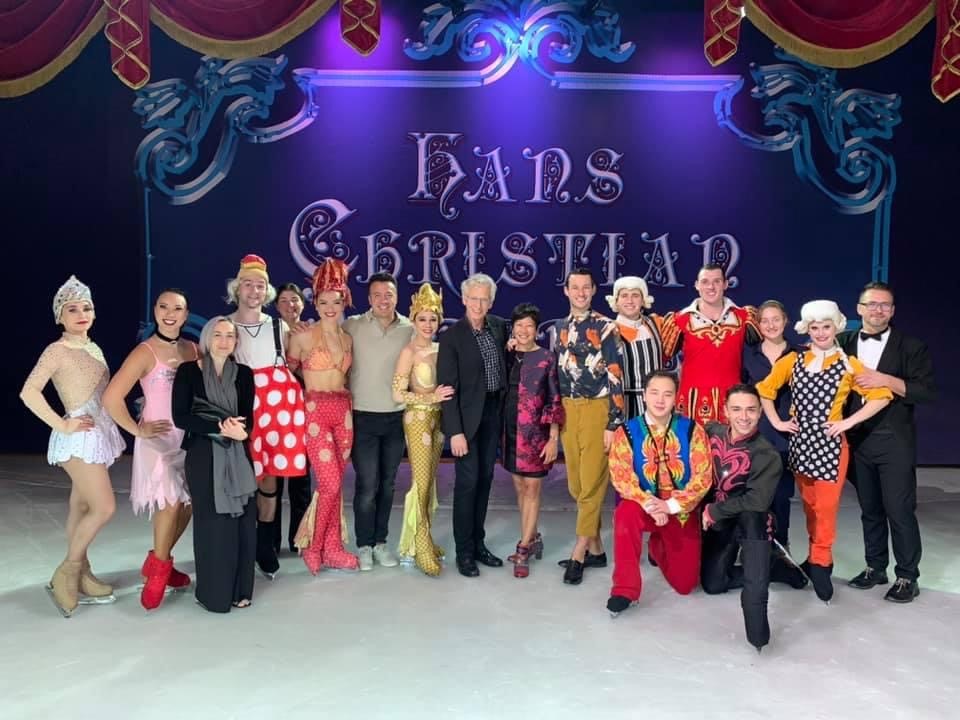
(811, 452)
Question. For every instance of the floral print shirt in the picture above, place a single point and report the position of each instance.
(588, 361)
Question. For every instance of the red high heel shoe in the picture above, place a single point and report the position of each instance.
(521, 561)
(536, 547)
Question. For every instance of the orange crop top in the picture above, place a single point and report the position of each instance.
(319, 359)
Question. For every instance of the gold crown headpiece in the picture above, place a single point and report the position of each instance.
(426, 299)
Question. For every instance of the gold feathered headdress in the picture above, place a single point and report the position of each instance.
(426, 299)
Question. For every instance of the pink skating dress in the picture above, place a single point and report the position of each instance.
(157, 478)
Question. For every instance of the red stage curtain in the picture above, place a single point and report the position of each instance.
(946, 59)
(721, 29)
(230, 28)
(360, 24)
(840, 34)
(38, 38)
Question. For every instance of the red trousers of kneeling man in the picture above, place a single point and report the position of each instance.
(675, 548)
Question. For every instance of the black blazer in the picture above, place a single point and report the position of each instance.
(904, 357)
(188, 384)
(460, 365)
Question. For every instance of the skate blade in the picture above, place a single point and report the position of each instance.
(97, 600)
(267, 575)
(63, 611)
(168, 590)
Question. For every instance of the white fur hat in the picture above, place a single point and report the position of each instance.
(629, 282)
(818, 311)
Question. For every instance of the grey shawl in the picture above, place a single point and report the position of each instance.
(233, 479)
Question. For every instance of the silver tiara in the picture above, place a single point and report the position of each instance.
(71, 291)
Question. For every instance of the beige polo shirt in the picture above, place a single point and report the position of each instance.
(375, 353)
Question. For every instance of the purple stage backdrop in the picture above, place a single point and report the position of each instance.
(522, 179)
(517, 138)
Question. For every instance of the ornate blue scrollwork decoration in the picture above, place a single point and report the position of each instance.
(802, 98)
(179, 117)
(315, 234)
(504, 31)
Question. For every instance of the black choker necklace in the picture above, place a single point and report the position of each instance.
(164, 338)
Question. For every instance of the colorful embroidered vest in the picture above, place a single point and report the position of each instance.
(674, 450)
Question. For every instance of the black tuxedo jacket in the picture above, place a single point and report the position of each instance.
(460, 365)
(906, 358)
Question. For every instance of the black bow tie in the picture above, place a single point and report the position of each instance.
(874, 336)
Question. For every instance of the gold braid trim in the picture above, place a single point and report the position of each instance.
(39, 78)
(125, 54)
(722, 31)
(949, 62)
(360, 22)
(233, 49)
(832, 57)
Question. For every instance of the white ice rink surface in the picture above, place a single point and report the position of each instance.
(394, 643)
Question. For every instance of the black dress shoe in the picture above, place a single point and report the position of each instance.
(573, 575)
(487, 558)
(467, 567)
(594, 561)
(903, 591)
(869, 578)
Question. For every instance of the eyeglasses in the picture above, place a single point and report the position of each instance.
(885, 306)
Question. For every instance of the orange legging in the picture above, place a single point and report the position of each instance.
(821, 500)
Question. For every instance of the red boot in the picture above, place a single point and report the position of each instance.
(158, 573)
(177, 581)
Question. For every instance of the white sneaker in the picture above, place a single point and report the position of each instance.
(383, 556)
(365, 556)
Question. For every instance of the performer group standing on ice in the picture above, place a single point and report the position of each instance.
(703, 464)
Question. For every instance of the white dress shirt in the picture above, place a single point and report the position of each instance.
(869, 351)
